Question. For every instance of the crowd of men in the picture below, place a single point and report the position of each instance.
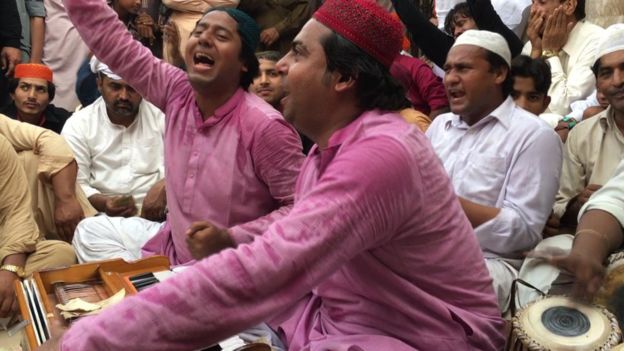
(342, 174)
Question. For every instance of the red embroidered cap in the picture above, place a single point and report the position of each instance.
(33, 70)
(366, 25)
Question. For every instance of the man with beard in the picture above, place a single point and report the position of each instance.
(364, 260)
(230, 158)
(118, 144)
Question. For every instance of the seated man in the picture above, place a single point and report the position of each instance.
(32, 90)
(118, 144)
(230, 158)
(559, 34)
(503, 162)
(38, 201)
(593, 150)
(364, 260)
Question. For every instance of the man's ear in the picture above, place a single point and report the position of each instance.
(569, 6)
(501, 74)
(98, 81)
(546, 102)
(344, 82)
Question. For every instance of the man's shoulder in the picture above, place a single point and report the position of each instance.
(589, 126)
(256, 110)
(588, 28)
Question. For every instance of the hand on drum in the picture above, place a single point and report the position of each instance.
(204, 239)
(587, 270)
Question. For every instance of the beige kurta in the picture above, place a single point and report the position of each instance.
(26, 194)
(185, 15)
(592, 152)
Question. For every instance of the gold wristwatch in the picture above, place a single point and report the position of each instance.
(14, 269)
(549, 53)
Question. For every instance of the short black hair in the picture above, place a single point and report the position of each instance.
(579, 11)
(14, 82)
(497, 62)
(536, 69)
(247, 55)
(375, 88)
(269, 55)
(461, 9)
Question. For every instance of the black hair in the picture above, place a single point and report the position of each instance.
(536, 69)
(461, 9)
(375, 88)
(269, 55)
(497, 62)
(596, 67)
(14, 82)
(247, 55)
(579, 11)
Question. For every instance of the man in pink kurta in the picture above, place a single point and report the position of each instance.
(376, 253)
(231, 165)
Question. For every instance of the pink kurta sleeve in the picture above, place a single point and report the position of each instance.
(111, 42)
(276, 151)
(363, 196)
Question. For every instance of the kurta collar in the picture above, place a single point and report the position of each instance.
(573, 46)
(502, 114)
(222, 111)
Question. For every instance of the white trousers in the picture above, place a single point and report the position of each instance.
(103, 237)
(503, 274)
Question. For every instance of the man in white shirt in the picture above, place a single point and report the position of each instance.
(558, 32)
(504, 162)
(118, 144)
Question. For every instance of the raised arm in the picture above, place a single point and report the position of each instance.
(434, 43)
(107, 37)
(486, 18)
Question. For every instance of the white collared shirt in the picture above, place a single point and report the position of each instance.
(113, 159)
(510, 160)
(571, 71)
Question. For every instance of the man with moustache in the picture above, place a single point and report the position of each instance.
(230, 158)
(118, 145)
(503, 162)
(32, 90)
(338, 272)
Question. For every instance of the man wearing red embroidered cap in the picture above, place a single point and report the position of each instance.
(32, 90)
(365, 260)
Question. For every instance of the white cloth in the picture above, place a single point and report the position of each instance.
(610, 197)
(611, 41)
(98, 66)
(102, 237)
(503, 276)
(487, 40)
(113, 159)
(572, 76)
(579, 107)
(509, 160)
(539, 273)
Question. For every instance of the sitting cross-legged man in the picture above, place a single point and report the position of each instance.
(39, 201)
(504, 162)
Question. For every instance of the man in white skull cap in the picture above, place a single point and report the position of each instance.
(601, 217)
(118, 144)
(504, 162)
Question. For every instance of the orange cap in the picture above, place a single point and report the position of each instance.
(33, 70)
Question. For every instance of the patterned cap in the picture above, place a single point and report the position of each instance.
(33, 70)
(366, 25)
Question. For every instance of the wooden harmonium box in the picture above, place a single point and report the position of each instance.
(93, 282)
(101, 282)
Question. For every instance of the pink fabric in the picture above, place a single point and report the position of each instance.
(424, 89)
(232, 168)
(367, 259)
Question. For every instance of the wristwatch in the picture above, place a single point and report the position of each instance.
(549, 53)
(570, 121)
(13, 269)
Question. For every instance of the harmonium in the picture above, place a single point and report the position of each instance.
(69, 293)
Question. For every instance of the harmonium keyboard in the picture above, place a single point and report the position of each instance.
(93, 283)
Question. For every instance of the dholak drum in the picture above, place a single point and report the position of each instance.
(560, 324)
(611, 293)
